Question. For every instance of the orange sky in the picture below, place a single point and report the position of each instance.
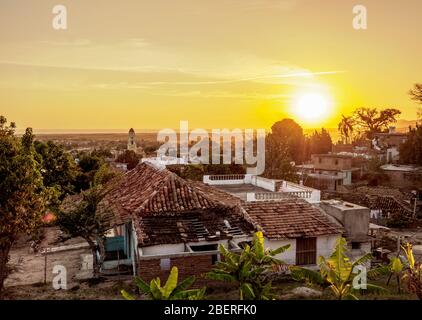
(221, 63)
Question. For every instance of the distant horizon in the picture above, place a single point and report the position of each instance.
(400, 124)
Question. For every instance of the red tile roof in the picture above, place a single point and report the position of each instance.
(290, 218)
(168, 209)
(165, 208)
(375, 199)
(147, 190)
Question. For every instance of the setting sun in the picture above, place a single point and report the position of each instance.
(311, 107)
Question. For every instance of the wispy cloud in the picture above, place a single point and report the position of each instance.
(247, 79)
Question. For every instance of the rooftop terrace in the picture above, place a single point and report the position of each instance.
(254, 188)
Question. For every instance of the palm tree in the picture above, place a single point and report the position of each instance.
(170, 291)
(249, 269)
(337, 272)
(345, 127)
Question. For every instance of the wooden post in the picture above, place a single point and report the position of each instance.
(45, 266)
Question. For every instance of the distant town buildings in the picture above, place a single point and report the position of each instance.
(327, 171)
(164, 161)
(403, 176)
(389, 144)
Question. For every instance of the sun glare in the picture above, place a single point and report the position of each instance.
(311, 107)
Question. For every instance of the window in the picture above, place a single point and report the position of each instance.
(205, 247)
(336, 162)
(356, 245)
(305, 251)
(319, 160)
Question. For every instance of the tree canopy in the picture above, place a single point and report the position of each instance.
(368, 121)
(23, 196)
(416, 95)
(84, 217)
(319, 143)
(59, 170)
(284, 145)
(290, 134)
(130, 158)
(411, 150)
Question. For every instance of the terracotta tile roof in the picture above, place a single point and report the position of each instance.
(217, 194)
(147, 190)
(372, 200)
(290, 218)
(165, 208)
(190, 227)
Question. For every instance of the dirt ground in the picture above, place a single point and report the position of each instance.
(29, 267)
(28, 270)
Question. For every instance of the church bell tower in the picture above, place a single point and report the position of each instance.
(131, 144)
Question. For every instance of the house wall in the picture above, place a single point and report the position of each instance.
(227, 179)
(288, 256)
(393, 155)
(325, 245)
(354, 218)
(357, 253)
(264, 183)
(403, 179)
(321, 184)
(347, 177)
(162, 249)
(331, 162)
(198, 264)
(188, 265)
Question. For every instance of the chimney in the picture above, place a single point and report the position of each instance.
(392, 130)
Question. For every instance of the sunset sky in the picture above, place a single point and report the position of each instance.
(148, 64)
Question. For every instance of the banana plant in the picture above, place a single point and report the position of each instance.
(413, 272)
(248, 268)
(337, 272)
(396, 269)
(170, 291)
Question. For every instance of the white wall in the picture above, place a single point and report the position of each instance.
(264, 183)
(325, 245)
(163, 249)
(357, 253)
(347, 178)
(226, 179)
(288, 256)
